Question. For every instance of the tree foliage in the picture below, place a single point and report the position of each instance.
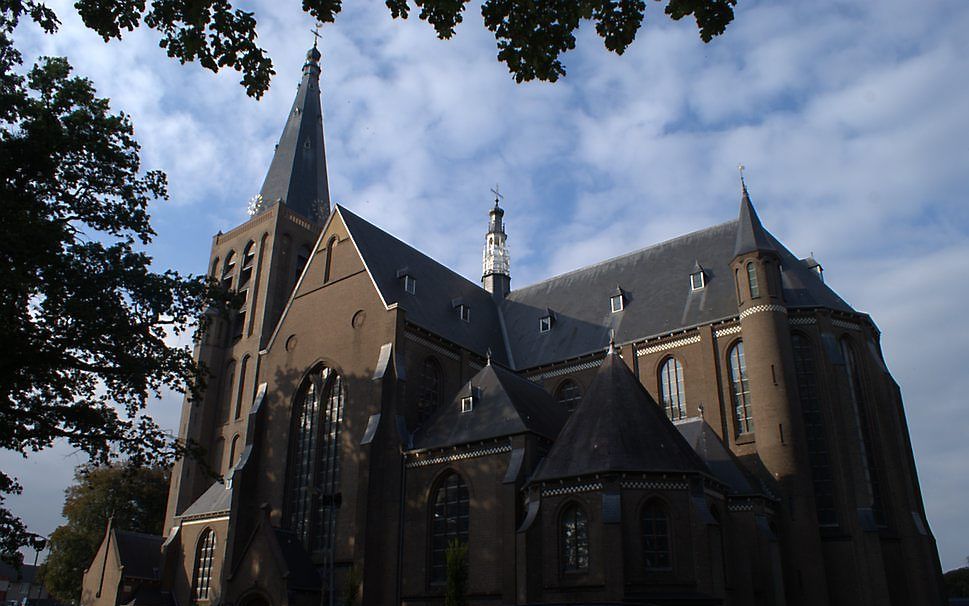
(456, 564)
(531, 35)
(84, 320)
(957, 582)
(134, 496)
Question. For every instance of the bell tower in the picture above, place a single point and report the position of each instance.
(495, 265)
(260, 261)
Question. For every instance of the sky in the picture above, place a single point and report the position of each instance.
(852, 120)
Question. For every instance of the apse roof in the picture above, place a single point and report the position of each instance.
(719, 460)
(617, 427)
(504, 404)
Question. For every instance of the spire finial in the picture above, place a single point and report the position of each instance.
(497, 194)
(316, 33)
(743, 184)
(612, 341)
(488, 357)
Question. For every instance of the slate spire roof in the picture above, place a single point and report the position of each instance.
(504, 404)
(751, 235)
(617, 427)
(297, 173)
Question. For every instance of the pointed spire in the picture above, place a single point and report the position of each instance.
(751, 235)
(297, 173)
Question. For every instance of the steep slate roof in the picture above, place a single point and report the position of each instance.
(213, 500)
(140, 553)
(751, 235)
(301, 574)
(655, 283)
(617, 427)
(297, 173)
(718, 459)
(658, 298)
(506, 405)
(438, 288)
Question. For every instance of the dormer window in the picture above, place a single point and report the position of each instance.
(615, 303)
(464, 312)
(467, 404)
(410, 284)
(697, 280)
(545, 324)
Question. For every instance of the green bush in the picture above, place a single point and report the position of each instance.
(457, 574)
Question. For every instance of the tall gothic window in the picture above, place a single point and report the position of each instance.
(450, 521)
(204, 558)
(225, 398)
(657, 547)
(857, 395)
(241, 392)
(314, 486)
(328, 266)
(574, 532)
(672, 394)
(752, 281)
(429, 396)
(568, 394)
(817, 445)
(740, 389)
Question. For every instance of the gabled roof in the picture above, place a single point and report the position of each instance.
(655, 282)
(297, 173)
(301, 573)
(505, 404)
(617, 427)
(438, 290)
(140, 553)
(214, 500)
(719, 460)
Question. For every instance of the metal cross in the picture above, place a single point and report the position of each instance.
(316, 33)
(498, 196)
(741, 169)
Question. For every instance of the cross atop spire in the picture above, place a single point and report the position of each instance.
(497, 194)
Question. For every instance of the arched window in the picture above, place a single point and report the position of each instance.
(248, 259)
(329, 258)
(740, 389)
(241, 392)
(657, 546)
(736, 276)
(225, 398)
(302, 257)
(574, 536)
(752, 281)
(218, 454)
(215, 269)
(857, 395)
(429, 395)
(672, 394)
(568, 394)
(817, 444)
(228, 267)
(449, 521)
(204, 558)
(314, 468)
(233, 450)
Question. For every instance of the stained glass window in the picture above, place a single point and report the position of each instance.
(817, 445)
(575, 539)
(752, 281)
(204, 558)
(672, 394)
(740, 389)
(569, 394)
(656, 537)
(450, 521)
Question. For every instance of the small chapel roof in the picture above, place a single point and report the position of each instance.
(140, 553)
(719, 460)
(617, 427)
(503, 404)
(217, 498)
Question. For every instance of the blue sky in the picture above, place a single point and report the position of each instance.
(852, 119)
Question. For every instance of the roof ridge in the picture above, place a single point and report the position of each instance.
(624, 255)
(412, 247)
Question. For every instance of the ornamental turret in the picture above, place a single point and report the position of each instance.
(495, 265)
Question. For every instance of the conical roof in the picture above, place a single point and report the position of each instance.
(617, 427)
(505, 404)
(297, 173)
(751, 235)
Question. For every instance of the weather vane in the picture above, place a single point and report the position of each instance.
(498, 196)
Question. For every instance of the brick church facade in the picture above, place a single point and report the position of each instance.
(702, 421)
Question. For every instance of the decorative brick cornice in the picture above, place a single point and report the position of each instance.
(723, 332)
(458, 456)
(432, 346)
(648, 485)
(558, 372)
(645, 351)
(803, 321)
(571, 489)
(756, 309)
(846, 325)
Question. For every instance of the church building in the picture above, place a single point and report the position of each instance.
(699, 422)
